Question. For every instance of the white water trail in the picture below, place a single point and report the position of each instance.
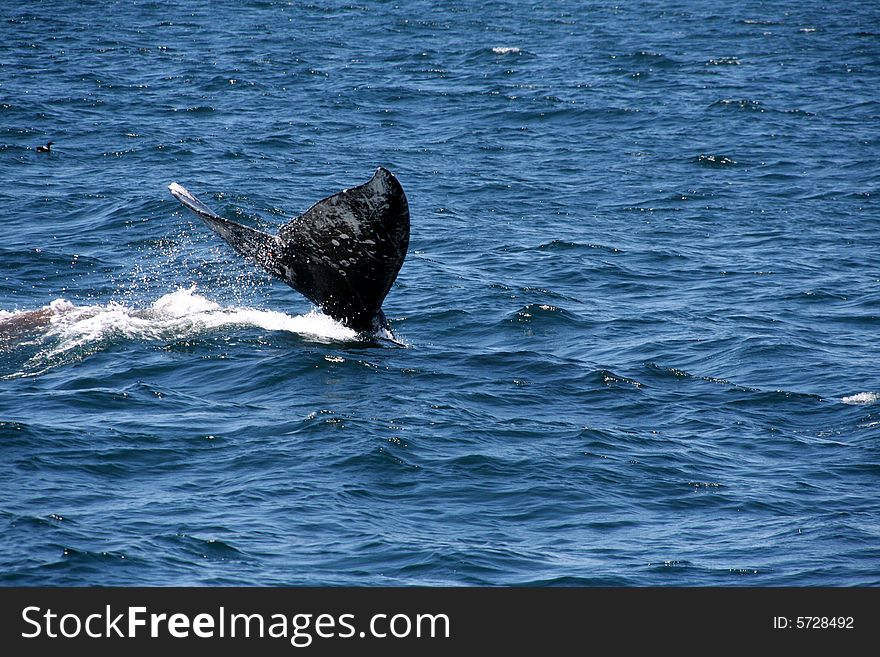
(182, 314)
(63, 327)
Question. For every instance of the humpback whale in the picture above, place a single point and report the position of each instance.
(342, 254)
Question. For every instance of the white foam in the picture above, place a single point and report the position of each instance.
(60, 306)
(175, 316)
(183, 302)
(861, 398)
(505, 50)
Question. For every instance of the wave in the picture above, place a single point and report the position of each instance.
(565, 245)
(654, 59)
(62, 327)
(724, 61)
(540, 312)
(749, 105)
(861, 398)
(505, 50)
(713, 161)
(740, 104)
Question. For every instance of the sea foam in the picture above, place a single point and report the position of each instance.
(861, 398)
(178, 315)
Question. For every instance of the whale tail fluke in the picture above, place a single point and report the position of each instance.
(343, 253)
(252, 244)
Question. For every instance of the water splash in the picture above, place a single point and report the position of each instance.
(505, 50)
(184, 313)
(63, 328)
(861, 398)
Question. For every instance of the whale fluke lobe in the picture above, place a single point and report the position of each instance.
(251, 243)
(343, 253)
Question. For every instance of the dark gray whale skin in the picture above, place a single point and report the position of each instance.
(342, 254)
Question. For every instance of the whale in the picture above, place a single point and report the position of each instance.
(343, 254)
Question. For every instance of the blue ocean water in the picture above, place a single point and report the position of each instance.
(640, 308)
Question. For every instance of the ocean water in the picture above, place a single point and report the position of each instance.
(639, 313)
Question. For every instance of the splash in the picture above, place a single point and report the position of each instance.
(182, 314)
(63, 328)
(861, 398)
